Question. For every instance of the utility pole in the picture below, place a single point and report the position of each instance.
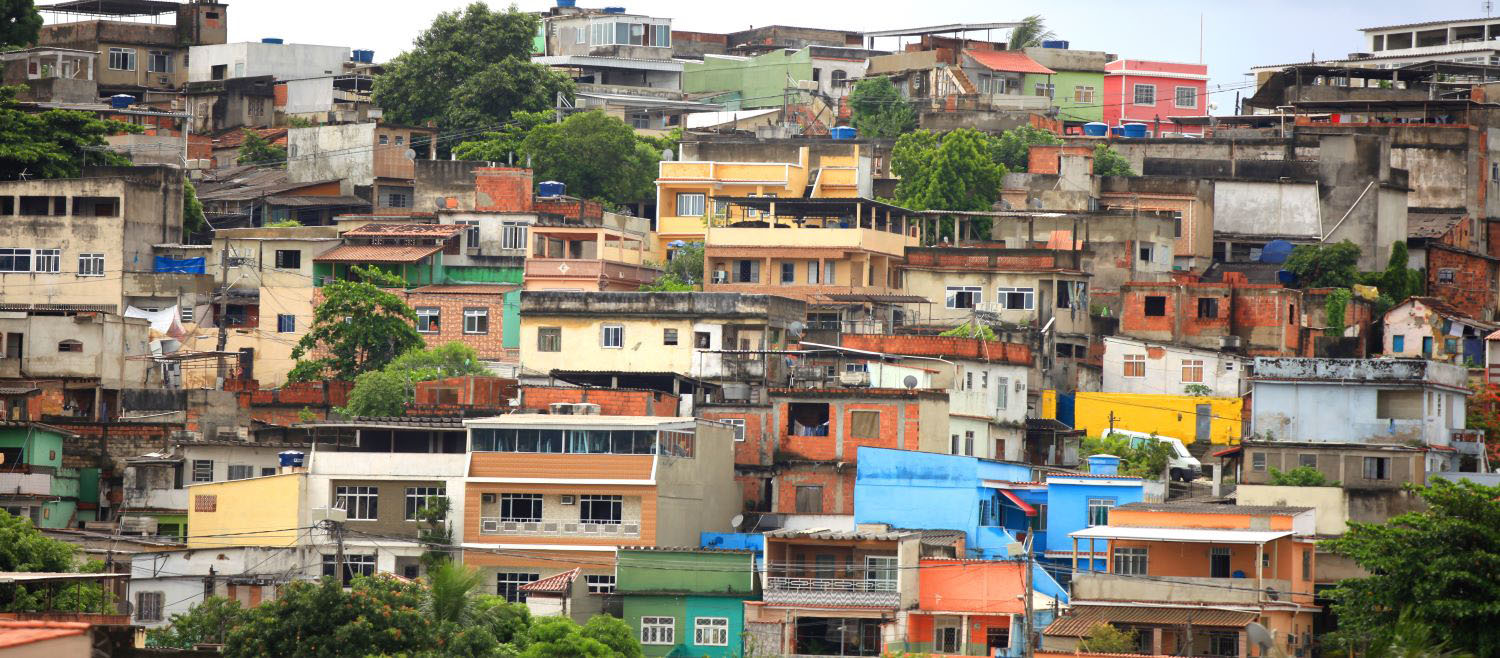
(1111, 427)
(338, 560)
(1030, 649)
(223, 312)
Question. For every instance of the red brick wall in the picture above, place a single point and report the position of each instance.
(502, 189)
(760, 439)
(490, 346)
(838, 489)
(1472, 289)
(1042, 158)
(472, 390)
(570, 207)
(941, 346)
(612, 402)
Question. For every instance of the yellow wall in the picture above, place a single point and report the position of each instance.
(581, 345)
(262, 511)
(1167, 415)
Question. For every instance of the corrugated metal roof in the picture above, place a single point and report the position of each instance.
(559, 584)
(1193, 535)
(838, 535)
(377, 253)
(406, 231)
(1008, 60)
(1084, 618)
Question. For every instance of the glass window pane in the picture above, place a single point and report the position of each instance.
(551, 441)
(599, 441)
(527, 441)
(622, 442)
(645, 442)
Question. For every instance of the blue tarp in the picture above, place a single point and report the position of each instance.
(179, 265)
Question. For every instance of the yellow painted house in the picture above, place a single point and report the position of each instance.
(262, 511)
(685, 190)
(1189, 418)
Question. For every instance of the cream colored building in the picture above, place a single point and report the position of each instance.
(270, 282)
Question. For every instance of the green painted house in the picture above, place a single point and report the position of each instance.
(33, 481)
(1077, 82)
(686, 602)
(762, 81)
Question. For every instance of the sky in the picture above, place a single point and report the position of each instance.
(1236, 35)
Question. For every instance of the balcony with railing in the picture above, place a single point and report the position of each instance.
(494, 525)
(1182, 589)
(878, 592)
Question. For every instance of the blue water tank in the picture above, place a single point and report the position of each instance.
(1103, 464)
(1056, 43)
(1276, 252)
(1135, 130)
(1117, 131)
(121, 101)
(291, 458)
(551, 188)
(614, 10)
(363, 56)
(275, 40)
(567, 3)
(1095, 129)
(843, 132)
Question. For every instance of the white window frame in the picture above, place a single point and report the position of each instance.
(1129, 561)
(739, 427)
(286, 323)
(1135, 95)
(206, 474)
(1177, 97)
(185, 313)
(91, 264)
(1083, 93)
(693, 201)
(711, 631)
(240, 472)
(429, 313)
(360, 503)
(1105, 504)
(515, 579)
(1189, 365)
(509, 502)
(46, 260)
(512, 235)
(127, 55)
(659, 630)
(476, 314)
(950, 299)
(14, 253)
(166, 58)
(615, 331)
(416, 498)
(600, 583)
(1028, 298)
(471, 232)
(880, 572)
(1130, 359)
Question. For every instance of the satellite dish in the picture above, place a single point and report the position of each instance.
(1035, 202)
(667, 155)
(909, 381)
(737, 520)
(411, 154)
(795, 328)
(1260, 637)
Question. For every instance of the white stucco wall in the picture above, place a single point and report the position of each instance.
(286, 61)
(1254, 208)
(1221, 372)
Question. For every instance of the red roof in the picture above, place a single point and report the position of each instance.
(19, 633)
(558, 584)
(1013, 61)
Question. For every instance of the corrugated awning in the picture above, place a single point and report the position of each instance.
(1085, 617)
(559, 584)
(1012, 497)
(1192, 535)
(377, 253)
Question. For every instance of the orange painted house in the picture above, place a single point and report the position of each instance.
(970, 608)
(1214, 568)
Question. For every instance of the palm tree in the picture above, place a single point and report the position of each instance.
(1031, 32)
(451, 592)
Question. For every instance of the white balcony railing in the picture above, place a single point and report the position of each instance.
(830, 584)
(832, 591)
(558, 528)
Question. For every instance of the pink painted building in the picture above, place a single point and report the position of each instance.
(1140, 91)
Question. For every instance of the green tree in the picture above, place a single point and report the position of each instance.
(614, 633)
(1398, 281)
(1105, 638)
(19, 23)
(1109, 162)
(193, 220)
(1325, 265)
(1144, 458)
(24, 548)
(435, 533)
(208, 622)
(877, 110)
(1335, 307)
(1302, 476)
(379, 616)
(951, 172)
(971, 330)
(55, 143)
(561, 637)
(504, 145)
(1012, 148)
(668, 283)
(1437, 567)
(388, 391)
(510, 623)
(358, 328)
(469, 70)
(596, 155)
(452, 593)
(257, 150)
(1197, 390)
(1030, 33)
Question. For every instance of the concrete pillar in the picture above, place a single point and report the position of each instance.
(1156, 646)
(1244, 642)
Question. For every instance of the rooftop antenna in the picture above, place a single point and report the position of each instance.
(1489, 7)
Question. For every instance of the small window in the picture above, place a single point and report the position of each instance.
(838, 79)
(418, 498)
(1145, 94)
(964, 296)
(1377, 468)
(185, 313)
(48, 260)
(600, 583)
(203, 470)
(1129, 562)
(658, 630)
(361, 503)
(1156, 306)
(1135, 365)
(1446, 274)
(1146, 253)
(429, 319)
(240, 472)
(1186, 97)
(1099, 511)
(91, 264)
(1208, 307)
(400, 140)
(69, 345)
(1083, 94)
(703, 340)
(809, 499)
(286, 323)
(159, 61)
(1258, 462)
(476, 320)
(807, 419)
(148, 606)
(122, 59)
(739, 427)
(711, 631)
(385, 139)
(1309, 460)
(612, 336)
(549, 339)
(668, 336)
(288, 259)
(864, 424)
(508, 585)
(1016, 299)
(1192, 371)
(690, 205)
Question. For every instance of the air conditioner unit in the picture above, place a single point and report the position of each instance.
(585, 409)
(489, 526)
(721, 277)
(568, 499)
(144, 525)
(856, 378)
(487, 499)
(560, 408)
(1229, 342)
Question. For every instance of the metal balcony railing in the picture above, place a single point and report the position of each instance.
(559, 528)
(832, 591)
(830, 584)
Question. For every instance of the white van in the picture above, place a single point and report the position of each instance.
(1183, 466)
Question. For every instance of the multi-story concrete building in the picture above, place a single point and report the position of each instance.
(546, 493)
(369, 159)
(248, 59)
(1139, 366)
(36, 484)
(1076, 85)
(1141, 91)
(136, 57)
(155, 499)
(73, 361)
(1429, 328)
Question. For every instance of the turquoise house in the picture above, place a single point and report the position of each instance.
(33, 481)
(686, 601)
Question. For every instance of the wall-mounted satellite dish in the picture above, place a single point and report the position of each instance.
(736, 521)
(411, 154)
(909, 381)
(668, 155)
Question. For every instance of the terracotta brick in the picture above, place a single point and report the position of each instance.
(502, 189)
(1472, 288)
(941, 346)
(612, 402)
